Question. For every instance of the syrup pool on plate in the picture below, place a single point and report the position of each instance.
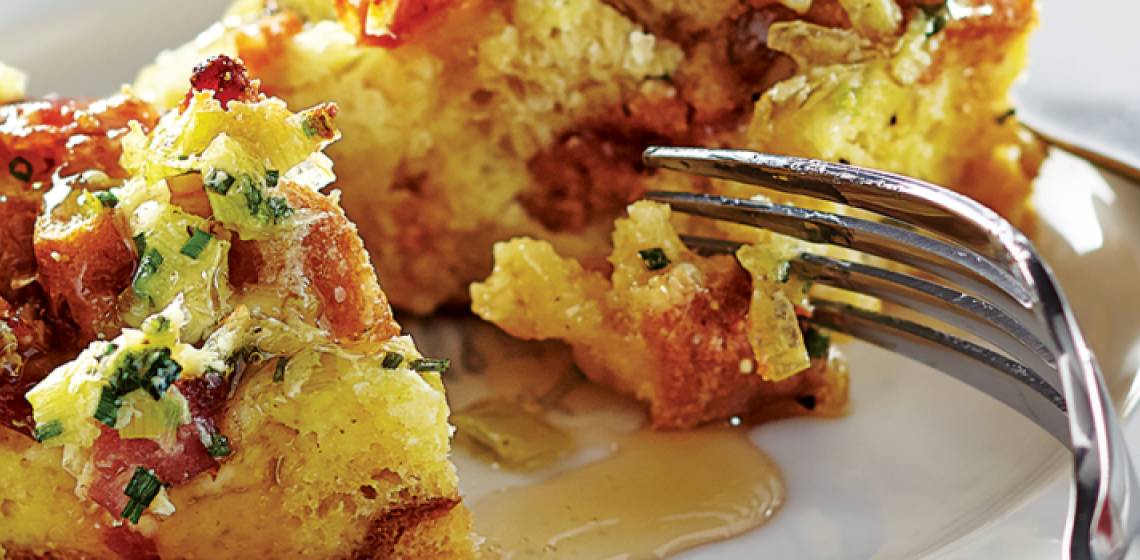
(556, 467)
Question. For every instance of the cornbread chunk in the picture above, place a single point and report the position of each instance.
(697, 338)
(483, 120)
(227, 380)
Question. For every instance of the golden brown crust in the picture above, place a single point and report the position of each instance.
(337, 264)
(700, 347)
(386, 530)
(83, 269)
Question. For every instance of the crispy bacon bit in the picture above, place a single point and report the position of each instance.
(68, 135)
(25, 358)
(226, 77)
(389, 23)
(115, 460)
(206, 395)
(128, 544)
(319, 121)
(84, 268)
(17, 259)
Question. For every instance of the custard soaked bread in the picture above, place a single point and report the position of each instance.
(467, 122)
(199, 361)
(470, 122)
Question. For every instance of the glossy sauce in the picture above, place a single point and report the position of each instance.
(617, 490)
(659, 494)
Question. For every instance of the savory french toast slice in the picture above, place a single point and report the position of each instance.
(474, 122)
(697, 338)
(470, 122)
(199, 360)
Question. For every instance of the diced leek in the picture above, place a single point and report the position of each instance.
(773, 328)
(169, 269)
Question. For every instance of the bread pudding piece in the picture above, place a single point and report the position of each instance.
(472, 121)
(211, 368)
(698, 338)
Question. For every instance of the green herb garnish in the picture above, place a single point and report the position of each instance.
(392, 360)
(108, 198)
(109, 349)
(219, 446)
(157, 371)
(157, 324)
(148, 265)
(196, 244)
(431, 364)
(271, 177)
(20, 168)
(278, 209)
(107, 410)
(654, 258)
(1006, 115)
(219, 181)
(48, 430)
(817, 342)
(253, 196)
(279, 369)
(141, 490)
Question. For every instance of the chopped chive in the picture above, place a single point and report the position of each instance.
(148, 265)
(817, 342)
(1006, 115)
(140, 243)
(939, 15)
(107, 410)
(141, 490)
(108, 198)
(48, 430)
(938, 23)
(430, 364)
(20, 168)
(158, 372)
(279, 369)
(392, 360)
(253, 196)
(219, 446)
(219, 181)
(271, 177)
(654, 258)
(160, 324)
(278, 209)
(109, 349)
(196, 244)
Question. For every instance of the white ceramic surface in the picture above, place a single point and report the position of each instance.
(923, 466)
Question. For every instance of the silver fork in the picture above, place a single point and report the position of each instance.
(988, 280)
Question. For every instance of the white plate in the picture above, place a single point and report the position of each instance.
(924, 464)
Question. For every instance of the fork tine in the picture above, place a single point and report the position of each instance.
(933, 300)
(1104, 514)
(876, 191)
(1021, 389)
(938, 302)
(967, 269)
